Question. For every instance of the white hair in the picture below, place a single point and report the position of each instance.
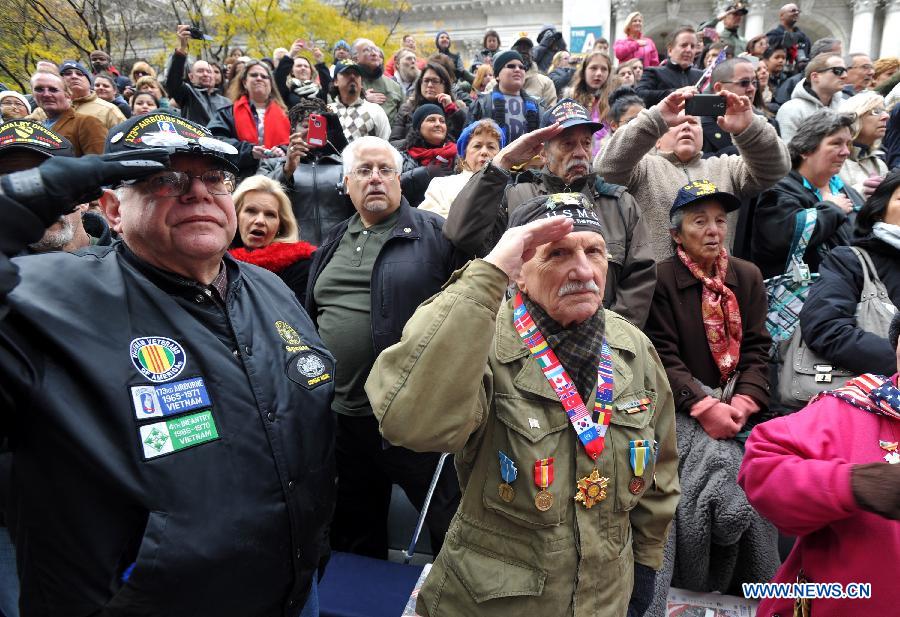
(350, 152)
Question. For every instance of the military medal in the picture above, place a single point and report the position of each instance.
(892, 456)
(591, 489)
(640, 451)
(543, 478)
(509, 473)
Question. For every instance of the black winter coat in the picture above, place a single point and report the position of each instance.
(412, 266)
(196, 104)
(283, 71)
(774, 221)
(561, 77)
(658, 82)
(828, 318)
(242, 498)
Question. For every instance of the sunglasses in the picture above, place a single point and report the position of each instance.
(744, 83)
(515, 67)
(838, 71)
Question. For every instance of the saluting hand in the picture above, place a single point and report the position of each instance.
(518, 244)
(525, 147)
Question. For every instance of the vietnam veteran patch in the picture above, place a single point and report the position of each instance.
(169, 399)
(157, 358)
(177, 434)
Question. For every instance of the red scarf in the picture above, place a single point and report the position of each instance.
(277, 126)
(275, 257)
(720, 312)
(426, 156)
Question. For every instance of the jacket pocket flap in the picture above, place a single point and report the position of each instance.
(487, 576)
(532, 419)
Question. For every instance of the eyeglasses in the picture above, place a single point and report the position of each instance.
(50, 89)
(430, 81)
(838, 71)
(369, 50)
(13, 103)
(875, 112)
(515, 67)
(178, 183)
(867, 67)
(365, 173)
(744, 83)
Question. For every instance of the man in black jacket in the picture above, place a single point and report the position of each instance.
(197, 98)
(163, 466)
(366, 280)
(678, 71)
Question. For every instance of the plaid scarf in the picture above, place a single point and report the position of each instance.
(720, 312)
(577, 347)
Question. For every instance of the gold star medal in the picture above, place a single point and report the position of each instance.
(591, 489)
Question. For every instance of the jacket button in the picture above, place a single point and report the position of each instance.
(290, 603)
(235, 353)
(247, 350)
(407, 230)
(270, 417)
(199, 298)
(298, 553)
(291, 484)
(685, 392)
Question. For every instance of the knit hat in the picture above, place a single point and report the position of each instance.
(438, 35)
(341, 44)
(17, 95)
(74, 64)
(502, 58)
(423, 111)
(466, 135)
(571, 205)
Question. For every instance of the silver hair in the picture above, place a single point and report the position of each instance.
(813, 129)
(676, 220)
(350, 152)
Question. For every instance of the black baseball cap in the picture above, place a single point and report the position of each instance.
(737, 7)
(569, 113)
(700, 191)
(34, 136)
(345, 65)
(172, 133)
(572, 205)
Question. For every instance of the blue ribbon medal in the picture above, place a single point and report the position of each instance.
(509, 473)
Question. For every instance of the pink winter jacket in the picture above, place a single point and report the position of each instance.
(796, 473)
(628, 48)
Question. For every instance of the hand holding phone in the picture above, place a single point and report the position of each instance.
(705, 105)
(317, 135)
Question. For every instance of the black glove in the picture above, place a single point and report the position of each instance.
(439, 169)
(642, 593)
(61, 183)
(876, 488)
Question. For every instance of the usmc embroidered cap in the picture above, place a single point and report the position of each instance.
(700, 191)
(572, 205)
(175, 134)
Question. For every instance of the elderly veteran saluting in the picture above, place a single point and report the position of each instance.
(183, 456)
(481, 210)
(561, 419)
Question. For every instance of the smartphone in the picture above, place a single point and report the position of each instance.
(705, 105)
(318, 131)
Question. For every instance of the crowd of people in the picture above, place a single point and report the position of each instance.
(240, 302)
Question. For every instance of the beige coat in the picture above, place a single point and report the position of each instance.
(108, 114)
(441, 192)
(461, 380)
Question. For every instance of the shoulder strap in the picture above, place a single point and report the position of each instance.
(872, 285)
(805, 224)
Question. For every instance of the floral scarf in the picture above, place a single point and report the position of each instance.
(721, 314)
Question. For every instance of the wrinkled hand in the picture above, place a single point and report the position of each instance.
(375, 97)
(297, 151)
(738, 113)
(525, 147)
(518, 244)
(841, 201)
(670, 108)
(745, 406)
(60, 183)
(716, 418)
(876, 488)
(870, 184)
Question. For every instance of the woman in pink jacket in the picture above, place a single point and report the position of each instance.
(829, 475)
(635, 45)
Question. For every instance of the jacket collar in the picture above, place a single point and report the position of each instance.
(555, 184)
(670, 156)
(407, 226)
(675, 67)
(175, 284)
(684, 278)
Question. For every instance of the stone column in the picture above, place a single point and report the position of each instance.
(622, 8)
(863, 20)
(755, 21)
(890, 36)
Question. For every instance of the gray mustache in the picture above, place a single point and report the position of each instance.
(576, 287)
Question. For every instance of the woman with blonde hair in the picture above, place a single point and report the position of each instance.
(484, 75)
(141, 69)
(257, 123)
(635, 44)
(267, 233)
(590, 89)
(864, 168)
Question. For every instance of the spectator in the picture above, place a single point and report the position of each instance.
(152, 86)
(562, 69)
(825, 77)
(818, 152)
(625, 75)
(786, 87)
(590, 89)
(490, 46)
(54, 100)
(408, 43)
(865, 167)
(657, 82)
(477, 145)
(507, 104)
(143, 103)
(166, 312)
(358, 117)
(257, 123)
(84, 100)
(481, 211)
(197, 98)
(828, 320)
(711, 53)
(763, 91)
(427, 146)
(624, 106)
(13, 106)
(757, 46)
(218, 77)
(731, 20)
(407, 70)
(105, 87)
(885, 68)
(267, 233)
(637, 67)
(537, 84)
(442, 42)
(141, 69)
(549, 41)
(340, 51)
(820, 474)
(297, 79)
(651, 178)
(360, 301)
(774, 58)
(311, 176)
(787, 34)
(635, 44)
(891, 142)
(860, 72)
(483, 78)
(379, 89)
(433, 86)
(735, 75)
(601, 44)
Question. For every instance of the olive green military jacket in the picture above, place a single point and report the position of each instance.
(461, 380)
